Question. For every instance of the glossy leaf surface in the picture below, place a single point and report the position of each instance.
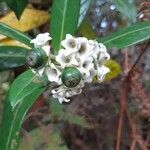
(11, 57)
(84, 6)
(64, 19)
(14, 34)
(12, 120)
(127, 8)
(17, 6)
(127, 36)
(14, 114)
(24, 85)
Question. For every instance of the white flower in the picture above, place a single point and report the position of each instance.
(73, 91)
(87, 70)
(96, 49)
(103, 57)
(60, 94)
(41, 40)
(60, 97)
(92, 73)
(101, 72)
(53, 74)
(66, 60)
(102, 47)
(63, 93)
(85, 49)
(88, 56)
(70, 43)
(38, 71)
(46, 48)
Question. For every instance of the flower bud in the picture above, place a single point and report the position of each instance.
(36, 58)
(71, 77)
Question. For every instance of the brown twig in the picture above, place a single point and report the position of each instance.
(133, 145)
(123, 107)
(123, 104)
(138, 59)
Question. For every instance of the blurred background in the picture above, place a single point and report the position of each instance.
(90, 120)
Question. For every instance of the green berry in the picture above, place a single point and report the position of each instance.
(71, 77)
(36, 58)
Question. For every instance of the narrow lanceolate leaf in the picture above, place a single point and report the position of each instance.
(128, 36)
(13, 118)
(11, 57)
(64, 20)
(14, 34)
(127, 8)
(17, 6)
(83, 10)
(24, 85)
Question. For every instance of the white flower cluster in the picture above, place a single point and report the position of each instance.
(88, 56)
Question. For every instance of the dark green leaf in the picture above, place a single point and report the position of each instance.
(83, 10)
(64, 20)
(14, 115)
(14, 34)
(24, 85)
(127, 8)
(17, 6)
(11, 57)
(13, 118)
(127, 36)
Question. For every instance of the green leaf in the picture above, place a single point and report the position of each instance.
(14, 114)
(64, 20)
(17, 6)
(13, 118)
(15, 34)
(127, 8)
(11, 57)
(83, 10)
(24, 85)
(128, 36)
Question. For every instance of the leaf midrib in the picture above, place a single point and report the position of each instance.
(14, 31)
(125, 34)
(14, 118)
(63, 23)
(13, 56)
(24, 88)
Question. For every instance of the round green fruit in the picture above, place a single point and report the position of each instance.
(71, 77)
(36, 58)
